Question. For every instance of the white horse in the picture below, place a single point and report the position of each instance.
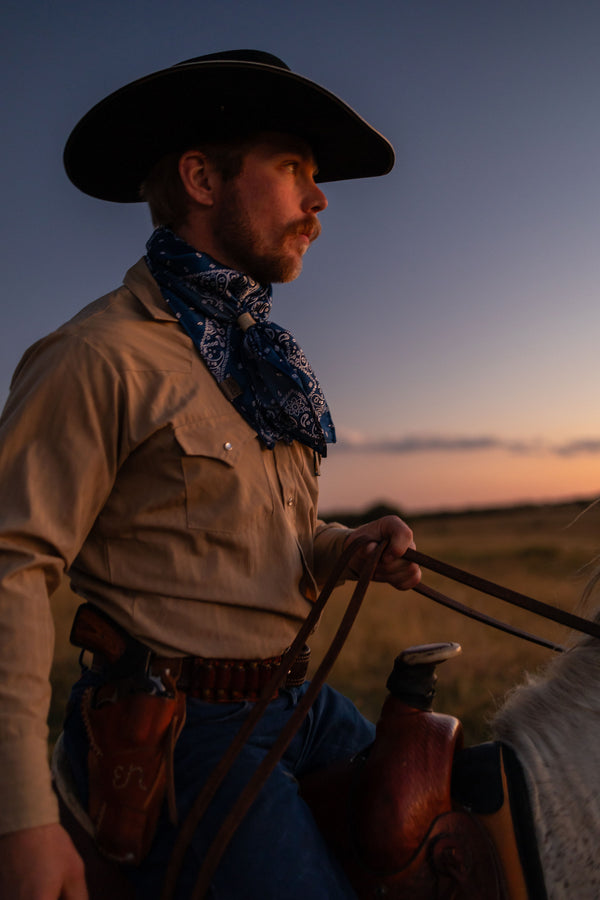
(553, 725)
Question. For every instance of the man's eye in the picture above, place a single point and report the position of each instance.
(292, 165)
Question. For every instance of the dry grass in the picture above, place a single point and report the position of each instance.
(540, 551)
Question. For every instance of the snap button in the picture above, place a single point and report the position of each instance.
(227, 446)
(290, 501)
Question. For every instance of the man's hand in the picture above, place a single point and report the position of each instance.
(391, 568)
(40, 864)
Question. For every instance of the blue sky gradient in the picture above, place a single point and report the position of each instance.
(451, 308)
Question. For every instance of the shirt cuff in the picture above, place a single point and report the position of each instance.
(27, 798)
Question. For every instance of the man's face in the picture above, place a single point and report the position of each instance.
(266, 217)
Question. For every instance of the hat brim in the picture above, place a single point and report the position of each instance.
(114, 146)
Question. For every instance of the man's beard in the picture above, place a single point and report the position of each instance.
(243, 243)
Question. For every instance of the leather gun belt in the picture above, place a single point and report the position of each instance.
(221, 680)
(228, 680)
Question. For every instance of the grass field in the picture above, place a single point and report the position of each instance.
(545, 551)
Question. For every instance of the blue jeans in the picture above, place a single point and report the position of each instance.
(278, 851)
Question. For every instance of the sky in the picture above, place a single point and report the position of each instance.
(449, 308)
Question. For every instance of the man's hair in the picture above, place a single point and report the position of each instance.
(163, 189)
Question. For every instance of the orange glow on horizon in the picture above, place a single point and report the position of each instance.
(455, 480)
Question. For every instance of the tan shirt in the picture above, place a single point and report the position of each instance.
(122, 462)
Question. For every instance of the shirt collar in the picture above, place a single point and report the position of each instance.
(141, 283)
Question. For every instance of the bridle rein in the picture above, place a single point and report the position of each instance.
(259, 777)
(545, 610)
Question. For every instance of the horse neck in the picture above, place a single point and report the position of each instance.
(553, 724)
(568, 686)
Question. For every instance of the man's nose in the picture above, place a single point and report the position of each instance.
(316, 201)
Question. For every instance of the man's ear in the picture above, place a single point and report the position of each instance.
(198, 177)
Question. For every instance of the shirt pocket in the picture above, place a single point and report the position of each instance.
(226, 485)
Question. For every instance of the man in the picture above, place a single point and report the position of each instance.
(163, 447)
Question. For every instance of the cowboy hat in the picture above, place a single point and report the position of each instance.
(223, 95)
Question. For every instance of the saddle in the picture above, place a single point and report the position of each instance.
(417, 817)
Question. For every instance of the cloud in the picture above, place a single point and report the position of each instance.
(352, 441)
(579, 447)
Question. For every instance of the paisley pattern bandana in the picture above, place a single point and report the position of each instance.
(257, 364)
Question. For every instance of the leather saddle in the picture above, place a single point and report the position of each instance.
(416, 816)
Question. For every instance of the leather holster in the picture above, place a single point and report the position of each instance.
(132, 737)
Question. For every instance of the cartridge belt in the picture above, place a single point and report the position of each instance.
(221, 680)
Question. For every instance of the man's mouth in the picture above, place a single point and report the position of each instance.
(310, 230)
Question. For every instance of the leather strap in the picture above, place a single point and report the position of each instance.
(249, 793)
(247, 796)
(470, 613)
(502, 593)
(218, 680)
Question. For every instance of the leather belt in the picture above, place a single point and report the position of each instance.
(222, 680)
(227, 680)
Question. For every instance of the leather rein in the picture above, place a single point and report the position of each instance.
(246, 798)
(545, 610)
(252, 788)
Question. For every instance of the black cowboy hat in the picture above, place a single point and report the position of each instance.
(114, 146)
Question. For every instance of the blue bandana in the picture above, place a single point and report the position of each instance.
(258, 365)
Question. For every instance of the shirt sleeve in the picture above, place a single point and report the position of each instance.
(59, 452)
(328, 546)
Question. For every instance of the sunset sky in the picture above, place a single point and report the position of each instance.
(450, 308)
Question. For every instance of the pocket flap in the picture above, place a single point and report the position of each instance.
(221, 439)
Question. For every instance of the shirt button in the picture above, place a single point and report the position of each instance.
(227, 446)
(290, 501)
